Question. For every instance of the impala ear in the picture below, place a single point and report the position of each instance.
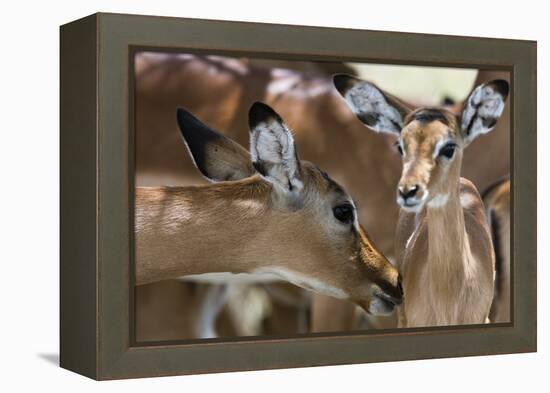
(377, 110)
(483, 108)
(272, 148)
(217, 157)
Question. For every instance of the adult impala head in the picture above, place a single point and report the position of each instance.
(430, 139)
(266, 212)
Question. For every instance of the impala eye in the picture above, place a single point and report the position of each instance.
(343, 213)
(447, 151)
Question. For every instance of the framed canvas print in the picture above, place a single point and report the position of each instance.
(240, 196)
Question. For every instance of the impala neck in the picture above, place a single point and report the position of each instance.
(447, 243)
(184, 231)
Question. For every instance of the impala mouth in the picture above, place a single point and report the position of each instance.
(411, 206)
(383, 303)
(389, 299)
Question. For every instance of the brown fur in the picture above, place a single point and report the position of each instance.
(324, 128)
(448, 263)
(320, 117)
(497, 203)
(238, 227)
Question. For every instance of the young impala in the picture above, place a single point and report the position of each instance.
(266, 213)
(443, 243)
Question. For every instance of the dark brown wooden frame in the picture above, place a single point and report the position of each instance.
(97, 195)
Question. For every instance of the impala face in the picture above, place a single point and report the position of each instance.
(431, 148)
(335, 255)
(296, 222)
(430, 140)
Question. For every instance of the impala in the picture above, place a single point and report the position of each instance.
(222, 100)
(266, 213)
(443, 243)
(497, 203)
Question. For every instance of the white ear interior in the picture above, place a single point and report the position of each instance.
(274, 154)
(371, 107)
(483, 108)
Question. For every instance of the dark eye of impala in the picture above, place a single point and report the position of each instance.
(343, 213)
(447, 151)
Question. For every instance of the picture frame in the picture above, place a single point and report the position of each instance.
(97, 189)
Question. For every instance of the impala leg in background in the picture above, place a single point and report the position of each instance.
(209, 311)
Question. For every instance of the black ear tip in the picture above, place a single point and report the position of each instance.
(501, 86)
(342, 82)
(190, 126)
(260, 106)
(184, 117)
(260, 112)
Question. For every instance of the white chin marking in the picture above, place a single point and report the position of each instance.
(438, 201)
(378, 307)
(411, 209)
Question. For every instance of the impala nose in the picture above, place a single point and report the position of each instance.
(400, 288)
(393, 294)
(408, 192)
